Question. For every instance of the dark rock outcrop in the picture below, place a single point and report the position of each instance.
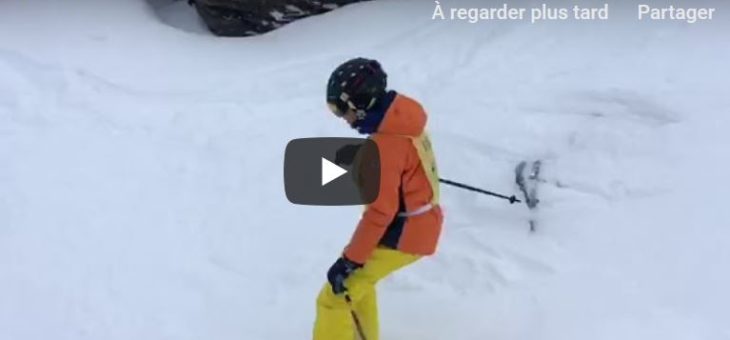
(252, 17)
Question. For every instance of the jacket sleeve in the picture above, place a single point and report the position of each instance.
(379, 214)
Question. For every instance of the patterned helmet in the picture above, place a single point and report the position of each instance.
(357, 84)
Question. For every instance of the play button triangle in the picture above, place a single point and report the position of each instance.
(330, 171)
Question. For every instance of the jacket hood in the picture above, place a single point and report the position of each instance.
(405, 116)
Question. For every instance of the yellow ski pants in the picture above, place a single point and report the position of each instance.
(334, 321)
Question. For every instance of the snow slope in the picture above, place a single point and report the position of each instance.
(141, 195)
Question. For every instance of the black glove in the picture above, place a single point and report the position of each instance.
(340, 270)
(346, 154)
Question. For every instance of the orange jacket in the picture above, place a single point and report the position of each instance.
(404, 187)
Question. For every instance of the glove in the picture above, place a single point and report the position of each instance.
(346, 154)
(338, 272)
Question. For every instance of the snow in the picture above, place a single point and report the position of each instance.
(141, 192)
(179, 14)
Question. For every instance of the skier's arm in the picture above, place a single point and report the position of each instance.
(381, 212)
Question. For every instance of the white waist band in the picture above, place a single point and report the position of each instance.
(420, 211)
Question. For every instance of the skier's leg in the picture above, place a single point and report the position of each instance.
(367, 311)
(334, 321)
(361, 285)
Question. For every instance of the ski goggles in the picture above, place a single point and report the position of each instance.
(341, 108)
(338, 108)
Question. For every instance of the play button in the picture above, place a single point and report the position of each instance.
(330, 171)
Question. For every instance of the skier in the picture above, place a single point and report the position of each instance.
(403, 224)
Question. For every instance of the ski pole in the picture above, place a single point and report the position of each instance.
(512, 199)
(339, 286)
(358, 325)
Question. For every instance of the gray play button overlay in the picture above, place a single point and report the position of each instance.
(331, 171)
